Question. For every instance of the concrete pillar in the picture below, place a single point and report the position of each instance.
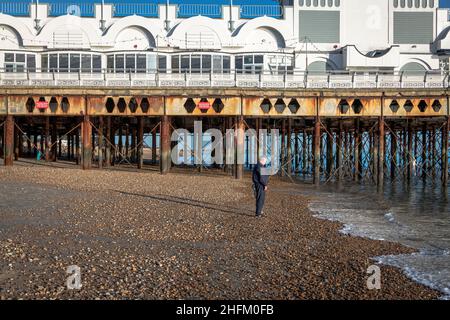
(87, 143)
(8, 140)
(164, 161)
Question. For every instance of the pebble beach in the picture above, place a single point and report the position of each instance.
(185, 235)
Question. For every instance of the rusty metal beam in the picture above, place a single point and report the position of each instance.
(8, 142)
(240, 137)
(164, 154)
(317, 139)
(87, 143)
(140, 141)
(381, 150)
(100, 142)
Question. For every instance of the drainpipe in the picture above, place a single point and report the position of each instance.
(167, 21)
(102, 18)
(36, 20)
(231, 22)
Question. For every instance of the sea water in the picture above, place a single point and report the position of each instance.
(416, 215)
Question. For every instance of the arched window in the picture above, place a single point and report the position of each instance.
(413, 68)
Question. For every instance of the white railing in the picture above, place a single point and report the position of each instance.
(231, 79)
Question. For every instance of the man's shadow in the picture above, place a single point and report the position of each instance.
(193, 203)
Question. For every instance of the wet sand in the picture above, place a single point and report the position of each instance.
(140, 235)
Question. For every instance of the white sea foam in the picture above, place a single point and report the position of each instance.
(426, 232)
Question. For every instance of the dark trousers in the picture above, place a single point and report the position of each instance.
(260, 197)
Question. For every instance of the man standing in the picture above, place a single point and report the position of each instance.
(260, 182)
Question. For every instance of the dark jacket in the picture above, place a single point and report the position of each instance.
(258, 178)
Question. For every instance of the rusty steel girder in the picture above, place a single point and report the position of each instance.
(214, 106)
(125, 105)
(57, 105)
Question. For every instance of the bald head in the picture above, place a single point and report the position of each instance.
(263, 161)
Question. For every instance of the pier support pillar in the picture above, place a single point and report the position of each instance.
(357, 150)
(445, 132)
(86, 143)
(77, 146)
(140, 141)
(329, 149)
(339, 151)
(108, 146)
(381, 149)
(283, 147)
(54, 138)
(317, 152)
(289, 147)
(100, 142)
(164, 154)
(154, 146)
(16, 144)
(305, 152)
(47, 139)
(8, 140)
(393, 154)
(240, 147)
(424, 151)
(410, 156)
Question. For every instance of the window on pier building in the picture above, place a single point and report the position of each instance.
(319, 26)
(136, 63)
(200, 63)
(19, 62)
(413, 27)
(71, 62)
(249, 63)
(280, 63)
